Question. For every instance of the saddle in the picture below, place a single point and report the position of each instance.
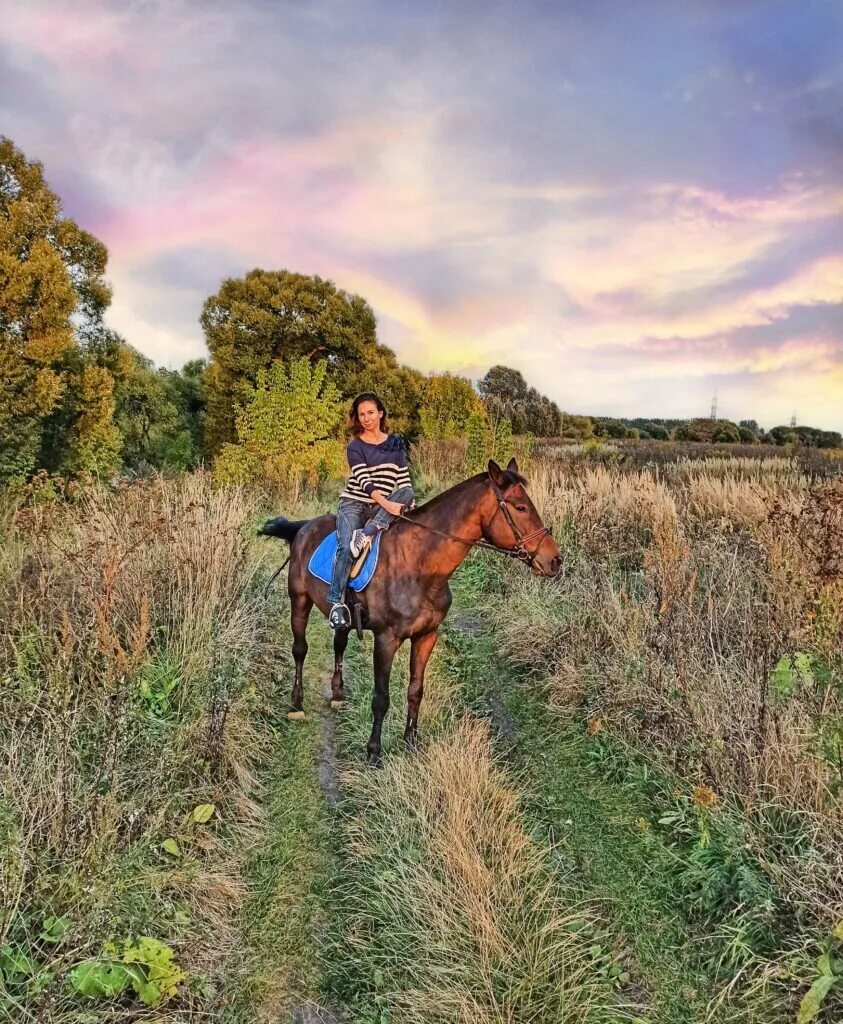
(322, 562)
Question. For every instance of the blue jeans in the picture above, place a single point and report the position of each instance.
(351, 516)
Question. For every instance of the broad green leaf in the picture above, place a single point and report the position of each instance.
(813, 999)
(172, 847)
(100, 979)
(54, 928)
(838, 931)
(203, 813)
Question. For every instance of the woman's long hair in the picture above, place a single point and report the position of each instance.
(354, 419)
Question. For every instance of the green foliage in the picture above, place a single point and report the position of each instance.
(829, 976)
(286, 428)
(505, 393)
(811, 437)
(269, 316)
(525, 449)
(21, 976)
(158, 412)
(146, 966)
(156, 681)
(504, 448)
(52, 295)
(709, 431)
(203, 813)
(790, 672)
(448, 403)
(577, 427)
(477, 432)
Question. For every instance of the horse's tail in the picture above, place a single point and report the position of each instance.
(281, 527)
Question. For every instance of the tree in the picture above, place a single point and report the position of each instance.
(656, 431)
(811, 437)
(479, 446)
(448, 403)
(605, 426)
(269, 315)
(578, 427)
(52, 294)
(287, 428)
(709, 431)
(505, 384)
(505, 394)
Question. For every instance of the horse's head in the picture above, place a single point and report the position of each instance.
(515, 525)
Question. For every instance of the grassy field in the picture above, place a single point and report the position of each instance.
(626, 808)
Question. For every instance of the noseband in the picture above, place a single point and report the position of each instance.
(519, 548)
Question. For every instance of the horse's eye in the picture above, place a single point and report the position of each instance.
(521, 508)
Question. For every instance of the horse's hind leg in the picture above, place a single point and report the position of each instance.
(301, 605)
(337, 682)
(420, 652)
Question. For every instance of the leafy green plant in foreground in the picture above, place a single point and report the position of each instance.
(830, 975)
(147, 966)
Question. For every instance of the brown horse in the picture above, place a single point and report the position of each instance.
(409, 596)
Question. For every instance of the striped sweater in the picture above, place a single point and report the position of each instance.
(376, 467)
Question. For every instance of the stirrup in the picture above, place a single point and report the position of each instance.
(339, 617)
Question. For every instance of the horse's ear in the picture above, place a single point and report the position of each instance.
(495, 472)
(512, 466)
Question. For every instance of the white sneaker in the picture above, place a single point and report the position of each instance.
(360, 541)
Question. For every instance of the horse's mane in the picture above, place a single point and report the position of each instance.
(509, 480)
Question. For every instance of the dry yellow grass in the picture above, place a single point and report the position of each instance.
(471, 924)
(102, 598)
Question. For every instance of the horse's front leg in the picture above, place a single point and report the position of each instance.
(386, 644)
(337, 682)
(421, 650)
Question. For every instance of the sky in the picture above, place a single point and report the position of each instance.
(637, 203)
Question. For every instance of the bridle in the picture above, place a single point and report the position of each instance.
(517, 550)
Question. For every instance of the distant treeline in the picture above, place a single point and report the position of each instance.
(284, 348)
(709, 431)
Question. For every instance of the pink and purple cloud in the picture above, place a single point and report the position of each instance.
(634, 204)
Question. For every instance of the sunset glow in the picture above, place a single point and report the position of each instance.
(636, 205)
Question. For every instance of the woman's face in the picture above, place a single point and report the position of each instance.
(369, 416)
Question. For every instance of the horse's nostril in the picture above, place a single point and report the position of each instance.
(556, 563)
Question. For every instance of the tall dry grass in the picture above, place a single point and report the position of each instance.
(453, 908)
(130, 629)
(700, 619)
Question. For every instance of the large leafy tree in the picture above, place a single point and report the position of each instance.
(269, 315)
(507, 395)
(52, 294)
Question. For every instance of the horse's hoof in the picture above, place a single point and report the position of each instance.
(295, 715)
(337, 705)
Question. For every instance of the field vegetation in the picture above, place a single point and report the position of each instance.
(627, 807)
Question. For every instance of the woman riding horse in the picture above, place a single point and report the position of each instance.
(379, 477)
(408, 596)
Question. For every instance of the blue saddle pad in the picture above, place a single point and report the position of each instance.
(322, 562)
